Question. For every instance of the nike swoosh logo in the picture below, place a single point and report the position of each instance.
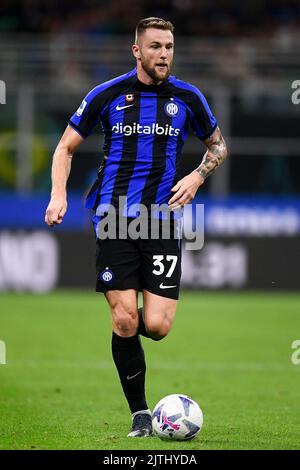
(129, 377)
(165, 287)
(119, 108)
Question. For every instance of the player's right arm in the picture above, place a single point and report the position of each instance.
(81, 124)
(61, 167)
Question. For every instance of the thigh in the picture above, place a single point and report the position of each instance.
(158, 309)
(123, 305)
(127, 298)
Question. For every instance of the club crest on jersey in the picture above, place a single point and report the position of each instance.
(171, 109)
(106, 276)
(81, 108)
(129, 98)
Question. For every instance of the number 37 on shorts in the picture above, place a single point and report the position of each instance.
(158, 262)
(166, 269)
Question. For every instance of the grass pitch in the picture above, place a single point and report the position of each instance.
(231, 352)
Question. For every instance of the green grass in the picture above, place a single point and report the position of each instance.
(229, 351)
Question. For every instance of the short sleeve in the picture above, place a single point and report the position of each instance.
(203, 121)
(87, 115)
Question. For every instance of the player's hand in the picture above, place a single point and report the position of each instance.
(56, 210)
(185, 190)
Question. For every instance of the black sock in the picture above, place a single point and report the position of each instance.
(129, 358)
(142, 328)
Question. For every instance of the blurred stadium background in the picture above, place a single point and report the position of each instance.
(245, 58)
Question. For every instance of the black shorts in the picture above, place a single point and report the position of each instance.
(151, 264)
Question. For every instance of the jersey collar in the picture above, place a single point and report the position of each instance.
(140, 86)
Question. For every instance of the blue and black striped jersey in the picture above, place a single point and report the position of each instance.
(145, 127)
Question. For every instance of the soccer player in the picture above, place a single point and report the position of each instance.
(145, 115)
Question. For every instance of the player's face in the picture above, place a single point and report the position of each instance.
(155, 48)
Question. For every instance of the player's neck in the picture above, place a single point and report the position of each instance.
(144, 78)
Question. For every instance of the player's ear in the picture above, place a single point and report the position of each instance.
(136, 51)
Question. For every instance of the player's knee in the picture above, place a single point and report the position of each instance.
(158, 329)
(125, 320)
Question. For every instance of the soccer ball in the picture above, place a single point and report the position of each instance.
(177, 417)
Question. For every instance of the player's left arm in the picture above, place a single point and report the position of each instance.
(186, 188)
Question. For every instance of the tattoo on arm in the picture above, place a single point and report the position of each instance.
(215, 155)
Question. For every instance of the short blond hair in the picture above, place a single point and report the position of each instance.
(152, 22)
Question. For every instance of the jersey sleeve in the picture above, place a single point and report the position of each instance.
(203, 121)
(88, 115)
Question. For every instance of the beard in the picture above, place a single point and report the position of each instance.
(154, 74)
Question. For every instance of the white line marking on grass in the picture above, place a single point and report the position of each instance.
(172, 366)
